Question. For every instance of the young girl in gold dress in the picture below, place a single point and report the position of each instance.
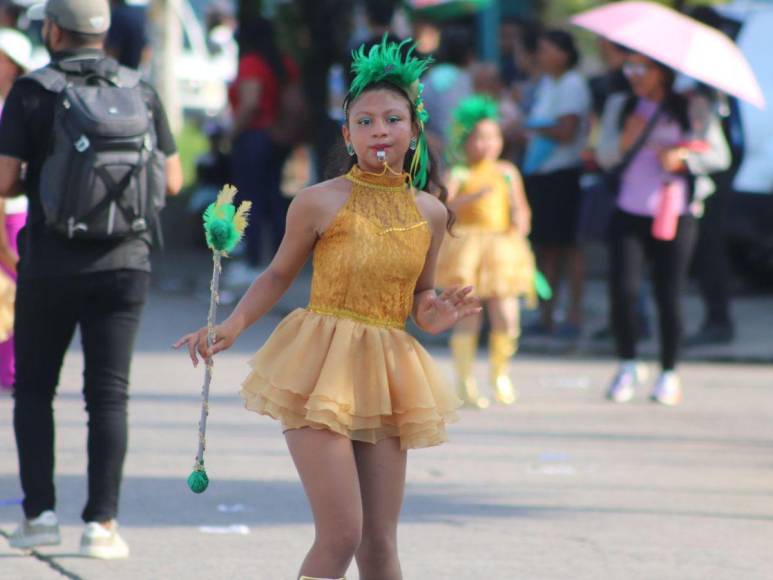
(352, 389)
(487, 247)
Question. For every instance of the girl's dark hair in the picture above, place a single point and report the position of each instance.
(256, 35)
(674, 105)
(565, 43)
(340, 162)
(530, 35)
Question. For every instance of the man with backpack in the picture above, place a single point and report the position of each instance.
(90, 145)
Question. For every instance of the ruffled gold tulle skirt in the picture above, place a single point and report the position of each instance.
(496, 264)
(7, 299)
(359, 380)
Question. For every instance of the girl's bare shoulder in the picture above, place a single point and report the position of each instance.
(331, 193)
(322, 201)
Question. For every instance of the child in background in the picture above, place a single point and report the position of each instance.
(15, 55)
(487, 248)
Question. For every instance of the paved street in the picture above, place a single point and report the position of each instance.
(562, 485)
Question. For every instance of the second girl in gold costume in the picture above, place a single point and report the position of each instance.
(487, 248)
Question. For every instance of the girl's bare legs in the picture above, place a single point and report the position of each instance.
(381, 468)
(326, 464)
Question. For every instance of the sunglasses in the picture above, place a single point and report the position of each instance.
(635, 69)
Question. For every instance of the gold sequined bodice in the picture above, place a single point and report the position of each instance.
(492, 211)
(367, 262)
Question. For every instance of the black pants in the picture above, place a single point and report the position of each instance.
(107, 307)
(630, 244)
(555, 205)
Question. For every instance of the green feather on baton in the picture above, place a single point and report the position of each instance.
(224, 226)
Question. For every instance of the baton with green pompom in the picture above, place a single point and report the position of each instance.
(224, 227)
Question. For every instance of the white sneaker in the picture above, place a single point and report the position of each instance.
(623, 386)
(100, 542)
(667, 389)
(40, 531)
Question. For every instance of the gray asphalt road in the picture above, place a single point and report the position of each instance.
(562, 485)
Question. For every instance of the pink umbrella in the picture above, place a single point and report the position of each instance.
(677, 41)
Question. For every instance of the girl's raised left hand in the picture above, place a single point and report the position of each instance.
(438, 312)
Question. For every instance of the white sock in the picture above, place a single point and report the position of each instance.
(628, 366)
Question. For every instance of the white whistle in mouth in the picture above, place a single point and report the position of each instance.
(381, 155)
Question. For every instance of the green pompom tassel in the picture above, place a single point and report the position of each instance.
(544, 291)
(198, 480)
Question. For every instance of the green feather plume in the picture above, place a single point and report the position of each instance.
(224, 225)
(385, 62)
(470, 111)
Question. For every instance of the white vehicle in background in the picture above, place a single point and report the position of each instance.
(206, 66)
(203, 67)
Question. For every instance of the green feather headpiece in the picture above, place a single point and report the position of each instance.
(386, 62)
(224, 224)
(470, 111)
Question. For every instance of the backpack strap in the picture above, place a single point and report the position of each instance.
(49, 78)
(53, 77)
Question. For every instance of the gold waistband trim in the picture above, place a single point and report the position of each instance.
(341, 313)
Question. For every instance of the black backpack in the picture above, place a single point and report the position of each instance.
(104, 177)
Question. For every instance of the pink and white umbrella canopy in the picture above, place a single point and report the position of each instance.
(677, 41)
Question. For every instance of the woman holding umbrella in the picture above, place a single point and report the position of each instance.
(661, 145)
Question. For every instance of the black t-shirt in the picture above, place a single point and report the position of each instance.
(25, 134)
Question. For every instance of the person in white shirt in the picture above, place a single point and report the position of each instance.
(557, 131)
